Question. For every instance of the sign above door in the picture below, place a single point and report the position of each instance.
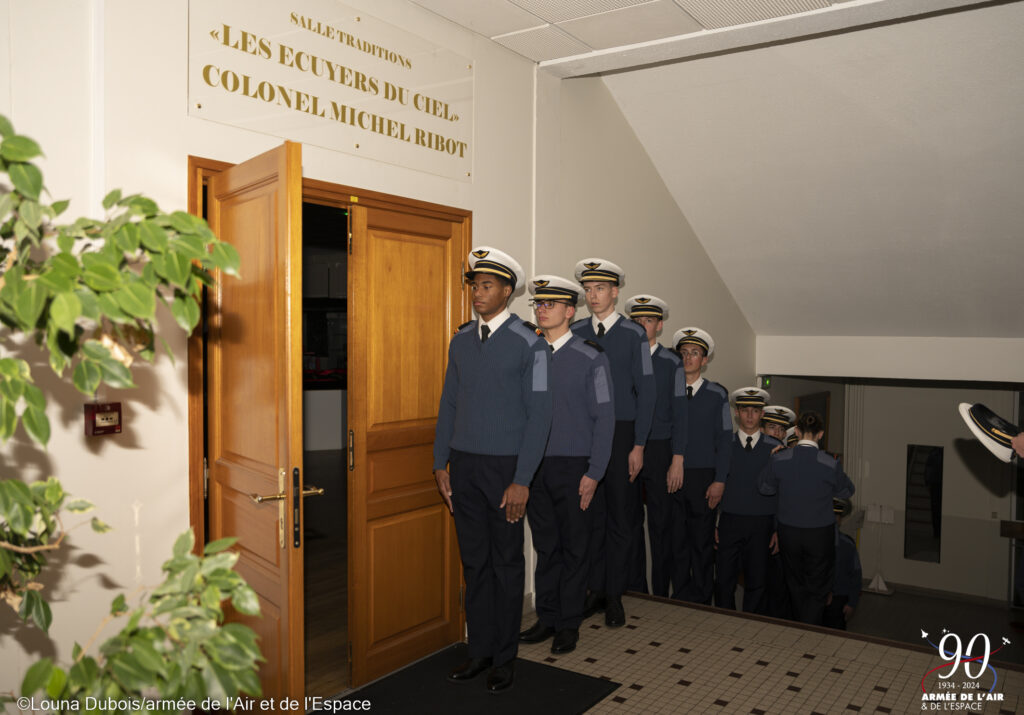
(322, 73)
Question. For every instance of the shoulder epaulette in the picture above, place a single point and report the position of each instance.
(527, 333)
(768, 439)
(468, 322)
(670, 355)
(596, 346)
(633, 326)
(465, 327)
(827, 459)
(715, 387)
(532, 327)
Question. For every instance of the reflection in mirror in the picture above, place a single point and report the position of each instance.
(923, 530)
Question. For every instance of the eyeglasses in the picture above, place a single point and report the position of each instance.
(691, 353)
(546, 304)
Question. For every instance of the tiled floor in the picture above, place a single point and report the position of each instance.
(673, 658)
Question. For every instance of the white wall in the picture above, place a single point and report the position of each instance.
(598, 194)
(977, 489)
(901, 358)
(102, 85)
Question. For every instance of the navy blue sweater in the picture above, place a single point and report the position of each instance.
(670, 403)
(741, 493)
(806, 480)
(583, 412)
(632, 372)
(496, 398)
(709, 430)
(849, 577)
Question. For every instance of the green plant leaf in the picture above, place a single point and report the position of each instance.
(6, 129)
(27, 179)
(35, 607)
(108, 306)
(7, 203)
(55, 685)
(183, 544)
(153, 236)
(142, 206)
(8, 420)
(84, 673)
(34, 397)
(116, 375)
(37, 676)
(37, 424)
(12, 388)
(101, 277)
(56, 281)
(31, 303)
(30, 213)
(65, 241)
(60, 207)
(184, 222)
(245, 601)
(100, 527)
(186, 312)
(79, 506)
(136, 299)
(127, 238)
(219, 545)
(87, 376)
(190, 246)
(112, 198)
(65, 310)
(118, 605)
(130, 673)
(19, 148)
(226, 258)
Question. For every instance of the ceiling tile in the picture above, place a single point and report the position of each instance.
(650, 21)
(487, 17)
(543, 43)
(714, 14)
(562, 10)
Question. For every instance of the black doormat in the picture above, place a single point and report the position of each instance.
(423, 688)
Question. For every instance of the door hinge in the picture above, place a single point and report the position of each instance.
(351, 451)
(281, 476)
(350, 244)
(206, 478)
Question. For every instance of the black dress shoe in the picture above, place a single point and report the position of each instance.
(537, 633)
(594, 603)
(615, 614)
(565, 640)
(469, 670)
(500, 678)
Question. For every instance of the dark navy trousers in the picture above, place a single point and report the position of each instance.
(809, 565)
(615, 505)
(693, 535)
(561, 531)
(657, 458)
(743, 547)
(492, 553)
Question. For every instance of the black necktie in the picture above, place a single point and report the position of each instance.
(551, 347)
(689, 392)
(485, 332)
(749, 445)
(600, 330)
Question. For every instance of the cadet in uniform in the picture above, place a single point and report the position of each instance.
(776, 420)
(492, 425)
(746, 524)
(662, 473)
(849, 577)
(708, 449)
(807, 480)
(582, 425)
(615, 504)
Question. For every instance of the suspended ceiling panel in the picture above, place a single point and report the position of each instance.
(713, 14)
(544, 43)
(639, 23)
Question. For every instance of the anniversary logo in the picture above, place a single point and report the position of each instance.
(965, 680)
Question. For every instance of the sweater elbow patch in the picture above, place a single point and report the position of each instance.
(726, 418)
(540, 372)
(601, 389)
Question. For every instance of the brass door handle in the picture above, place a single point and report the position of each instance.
(312, 490)
(268, 497)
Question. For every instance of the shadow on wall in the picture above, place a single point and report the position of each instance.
(979, 461)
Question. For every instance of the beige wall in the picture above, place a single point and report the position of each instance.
(977, 488)
(103, 87)
(598, 194)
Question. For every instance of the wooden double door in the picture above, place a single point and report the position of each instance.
(405, 298)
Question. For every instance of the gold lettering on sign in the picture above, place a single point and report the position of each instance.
(310, 64)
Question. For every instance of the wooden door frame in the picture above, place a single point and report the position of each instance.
(200, 170)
